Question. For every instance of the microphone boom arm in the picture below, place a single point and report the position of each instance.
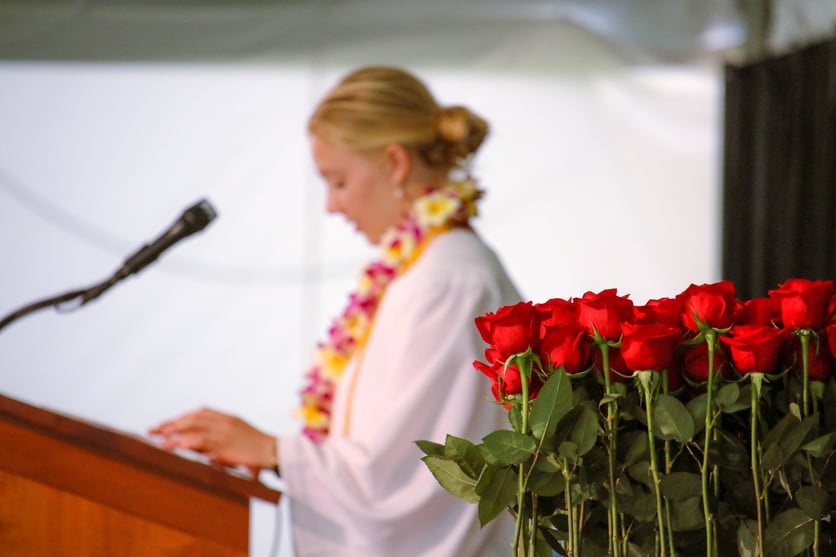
(194, 219)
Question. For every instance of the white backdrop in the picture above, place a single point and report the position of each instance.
(600, 173)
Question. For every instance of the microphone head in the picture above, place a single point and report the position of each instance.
(198, 216)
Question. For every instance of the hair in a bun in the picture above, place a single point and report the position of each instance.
(376, 106)
(460, 133)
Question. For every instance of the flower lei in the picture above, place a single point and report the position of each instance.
(436, 211)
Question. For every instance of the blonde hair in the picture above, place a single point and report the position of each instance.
(377, 106)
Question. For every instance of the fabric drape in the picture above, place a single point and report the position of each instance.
(780, 170)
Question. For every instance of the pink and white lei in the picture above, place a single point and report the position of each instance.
(438, 210)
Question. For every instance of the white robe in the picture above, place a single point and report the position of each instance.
(367, 493)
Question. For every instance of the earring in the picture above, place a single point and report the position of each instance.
(399, 193)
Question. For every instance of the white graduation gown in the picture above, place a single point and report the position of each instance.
(366, 492)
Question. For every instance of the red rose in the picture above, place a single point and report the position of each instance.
(713, 304)
(511, 330)
(564, 345)
(506, 379)
(754, 348)
(830, 333)
(649, 347)
(604, 312)
(819, 364)
(663, 310)
(618, 369)
(757, 311)
(695, 362)
(555, 312)
(803, 303)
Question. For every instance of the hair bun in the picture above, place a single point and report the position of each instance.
(452, 123)
(460, 133)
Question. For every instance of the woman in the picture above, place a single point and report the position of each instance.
(396, 366)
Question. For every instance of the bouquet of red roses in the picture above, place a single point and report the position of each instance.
(699, 424)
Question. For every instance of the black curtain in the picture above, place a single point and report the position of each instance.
(779, 170)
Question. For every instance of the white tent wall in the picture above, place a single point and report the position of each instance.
(600, 171)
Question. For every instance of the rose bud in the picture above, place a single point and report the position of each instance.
(803, 303)
(604, 312)
(754, 348)
(713, 304)
(511, 330)
(555, 312)
(507, 378)
(757, 311)
(649, 347)
(565, 345)
(695, 362)
(663, 310)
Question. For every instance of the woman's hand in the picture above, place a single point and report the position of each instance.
(225, 439)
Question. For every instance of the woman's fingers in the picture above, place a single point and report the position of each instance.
(225, 439)
(199, 419)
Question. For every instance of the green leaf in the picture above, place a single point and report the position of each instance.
(584, 431)
(640, 472)
(696, 407)
(541, 546)
(727, 395)
(555, 539)
(789, 533)
(547, 485)
(591, 543)
(548, 464)
(744, 401)
(617, 390)
(644, 506)
(634, 550)
(773, 458)
(607, 398)
(431, 447)
(466, 454)
(449, 474)
(672, 420)
(485, 478)
(638, 449)
(795, 434)
(623, 485)
(828, 475)
(813, 501)
(801, 432)
(678, 486)
(552, 403)
(821, 446)
(500, 493)
(778, 431)
(817, 389)
(568, 450)
(507, 447)
(747, 538)
(729, 452)
(687, 515)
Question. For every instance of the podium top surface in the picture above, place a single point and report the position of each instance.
(133, 450)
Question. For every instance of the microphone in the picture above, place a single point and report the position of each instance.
(194, 219)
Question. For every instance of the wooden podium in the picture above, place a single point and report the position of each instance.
(72, 488)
